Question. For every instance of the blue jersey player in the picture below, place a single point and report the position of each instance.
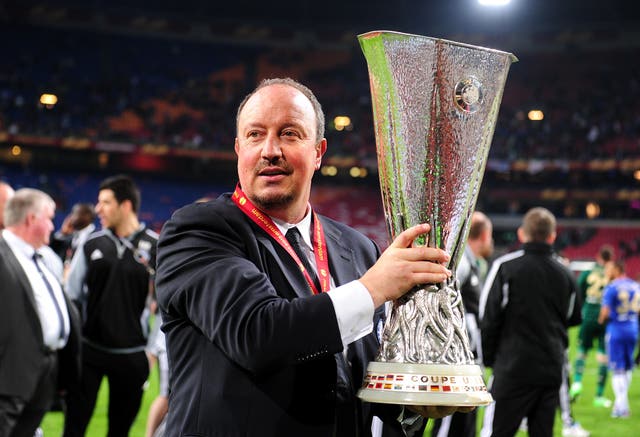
(620, 306)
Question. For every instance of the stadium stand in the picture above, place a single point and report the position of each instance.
(157, 98)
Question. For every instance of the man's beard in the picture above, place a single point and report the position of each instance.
(271, 202)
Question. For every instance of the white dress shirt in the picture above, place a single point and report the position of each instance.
(352, 302)
(45, 306)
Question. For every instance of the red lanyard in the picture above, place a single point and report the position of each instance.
(319, 241)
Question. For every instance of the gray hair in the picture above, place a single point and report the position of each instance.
(317, 107)
(539, 224)
(24, 202)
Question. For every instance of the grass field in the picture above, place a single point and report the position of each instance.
(53, 422)
(595, 420)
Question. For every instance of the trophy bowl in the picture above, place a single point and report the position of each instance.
(435, 105)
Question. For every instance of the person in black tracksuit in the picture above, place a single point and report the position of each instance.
(470, 276)
(110, 278)
(527, 304)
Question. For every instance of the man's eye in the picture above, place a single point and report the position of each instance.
(289, 133)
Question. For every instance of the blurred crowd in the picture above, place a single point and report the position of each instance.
(179, 93)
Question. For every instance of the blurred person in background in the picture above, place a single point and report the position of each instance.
(478, 250)
(6, 192)
(111, 278)
(591, 284)
(157, 351)
(619, 311)
(73, 232)
(529, 300)
(40, 341)
(48, 256)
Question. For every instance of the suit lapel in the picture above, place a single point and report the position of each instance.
(13, 266)
(340, 260)
(341, 264)
(286, 264)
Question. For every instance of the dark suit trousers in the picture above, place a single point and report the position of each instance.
(21, 418)
(126, 374)
(537, 404)
(456, 425)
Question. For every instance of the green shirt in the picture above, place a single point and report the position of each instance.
(591, 284)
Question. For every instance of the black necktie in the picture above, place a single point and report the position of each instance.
(50, 289)
(295, 239)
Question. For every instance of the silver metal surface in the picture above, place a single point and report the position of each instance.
(435, 105)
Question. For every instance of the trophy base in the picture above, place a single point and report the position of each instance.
(425, 384)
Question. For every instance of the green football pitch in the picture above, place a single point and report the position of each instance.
(596, 420)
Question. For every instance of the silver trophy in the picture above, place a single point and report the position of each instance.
(435, 105)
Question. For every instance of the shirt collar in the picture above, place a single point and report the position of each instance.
(18, 244)
(304, 226)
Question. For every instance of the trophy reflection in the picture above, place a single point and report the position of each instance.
(435, 105)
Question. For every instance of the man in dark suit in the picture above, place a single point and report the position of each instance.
(39, 345)
(267, 334)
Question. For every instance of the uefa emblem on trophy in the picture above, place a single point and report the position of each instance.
(435, 106)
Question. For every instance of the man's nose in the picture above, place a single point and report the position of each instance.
(271, 147)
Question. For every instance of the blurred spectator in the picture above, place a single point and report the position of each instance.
(528, 302)
(74, 231)
(40, 341)
(111, 277)
(620, 312)
(591, 284)
(470, 273)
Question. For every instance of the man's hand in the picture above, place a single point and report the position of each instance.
(403, 266)
(438, 411)
(67, 227)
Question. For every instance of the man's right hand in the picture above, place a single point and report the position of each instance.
(403, 266)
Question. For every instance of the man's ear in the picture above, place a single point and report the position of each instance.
(127, 205)
(321, 149)
(522, 237)
(30, 218)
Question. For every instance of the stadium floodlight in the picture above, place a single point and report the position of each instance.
(592, 210)
(341, 122)
(494, 2)
(329, 170)
(535, 115)
(48, 99)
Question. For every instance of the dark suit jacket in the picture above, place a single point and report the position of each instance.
(251, 351)
(22, 350)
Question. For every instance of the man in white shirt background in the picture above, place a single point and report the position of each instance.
(38, 322)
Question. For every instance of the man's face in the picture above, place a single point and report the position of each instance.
(108, 209)
(41, 226)
(611, 271)
(277, 150)
(5, 194)
(487, 243)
